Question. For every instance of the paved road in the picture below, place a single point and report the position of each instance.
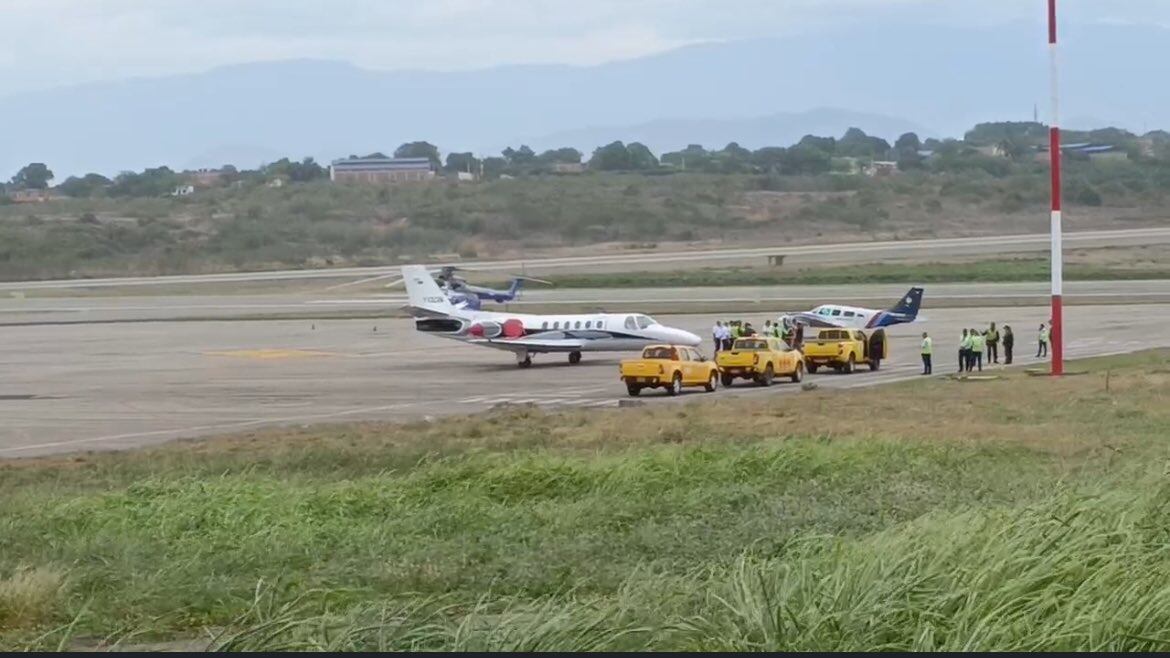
(794, 254)
(67, 388)
(15, 310)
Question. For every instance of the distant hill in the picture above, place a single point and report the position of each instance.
(783, 128)
(943, 79)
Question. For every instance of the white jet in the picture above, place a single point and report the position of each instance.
(854, 317)
(525, 334)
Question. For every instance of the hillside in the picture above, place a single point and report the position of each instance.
(950, 79)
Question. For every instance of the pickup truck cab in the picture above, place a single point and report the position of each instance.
(760, 359)
(844, 349)
(671, 367)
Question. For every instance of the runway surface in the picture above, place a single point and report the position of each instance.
(66, 388)
(19, 311)
(650, 260)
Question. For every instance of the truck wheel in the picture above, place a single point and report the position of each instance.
(727, 380)
(850, 365)
(812, 368)
(798, 374)
(712, 381)
(874, 364)
(766, 378)
(675, 385)
(633, 390)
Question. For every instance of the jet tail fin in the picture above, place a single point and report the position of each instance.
(426, 298)
(514, 289)
(908, 306)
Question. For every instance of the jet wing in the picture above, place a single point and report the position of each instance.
(530, 344)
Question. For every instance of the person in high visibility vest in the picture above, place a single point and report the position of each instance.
(978, 345)
(1042, 348)
(992, 344)
(927, 351)
(964, 352)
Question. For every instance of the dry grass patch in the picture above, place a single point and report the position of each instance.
(28, 596)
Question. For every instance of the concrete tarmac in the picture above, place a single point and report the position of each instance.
(794, 254)
(51, 310)
(77, 387)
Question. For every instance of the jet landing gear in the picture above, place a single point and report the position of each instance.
(574, 358)
(523, 360)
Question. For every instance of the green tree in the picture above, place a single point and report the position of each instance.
(770, 158)
(419, 150)
(33, 176)
(827, 145)
(907, 142)
(85, 186)
(611, 157)
(465, 162)
(158, 181)
(641, 158)
(566, 154)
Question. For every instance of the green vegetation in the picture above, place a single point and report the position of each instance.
(1033, 516)
(815, 190)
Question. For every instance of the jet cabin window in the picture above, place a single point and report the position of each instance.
(577, 324)
(630, 324)
(836, 312)
(849, 314)
(556, 325)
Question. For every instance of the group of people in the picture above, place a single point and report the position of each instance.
(724, 333)
(975, 346)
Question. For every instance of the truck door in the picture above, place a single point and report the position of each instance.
(877, 345)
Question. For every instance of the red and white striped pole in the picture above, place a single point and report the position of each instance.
(1056, 333)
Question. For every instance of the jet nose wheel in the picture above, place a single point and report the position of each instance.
(574, 358)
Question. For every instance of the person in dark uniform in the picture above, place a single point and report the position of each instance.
(964, 352)
(992, 335)
(1009, 341)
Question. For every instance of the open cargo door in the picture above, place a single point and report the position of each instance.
(878, 348)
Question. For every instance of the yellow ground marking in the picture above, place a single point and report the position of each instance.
(271, 354)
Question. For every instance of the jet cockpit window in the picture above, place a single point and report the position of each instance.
(836, 312)
(823, 311)
(630, 323)
(849, 314)
(645, 321)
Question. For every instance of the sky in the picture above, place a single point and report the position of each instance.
(53, 43)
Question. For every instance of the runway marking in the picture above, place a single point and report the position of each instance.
(271, 354)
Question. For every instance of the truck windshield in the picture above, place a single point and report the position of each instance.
(751, 344)
(658, 353)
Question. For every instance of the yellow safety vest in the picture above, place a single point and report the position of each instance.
(927, 345)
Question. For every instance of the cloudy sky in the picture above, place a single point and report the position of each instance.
(51, 43)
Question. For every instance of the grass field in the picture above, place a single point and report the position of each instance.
(1017, 514)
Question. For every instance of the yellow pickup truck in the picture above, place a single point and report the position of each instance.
(844, 349)
(671, 367)
(761, 360)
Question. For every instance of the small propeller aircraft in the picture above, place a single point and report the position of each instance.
(461, 293)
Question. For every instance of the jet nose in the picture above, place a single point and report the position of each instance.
(686, 338)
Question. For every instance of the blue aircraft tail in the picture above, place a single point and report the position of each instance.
(907, 307)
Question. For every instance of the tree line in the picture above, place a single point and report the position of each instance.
(812, 155)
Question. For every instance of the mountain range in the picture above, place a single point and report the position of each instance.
(885, 79)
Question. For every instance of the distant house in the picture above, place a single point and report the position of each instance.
(881, 168)
(568, 168)
(183, 190)
(464, 176)
(381, 170)
(275, 182)
(33, 196)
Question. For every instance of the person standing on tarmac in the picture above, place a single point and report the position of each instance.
(927, 350)
(992, 344)
(1042, 346)
(978, 345)
(964, 352)
(717, 335)
(1009, 341)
